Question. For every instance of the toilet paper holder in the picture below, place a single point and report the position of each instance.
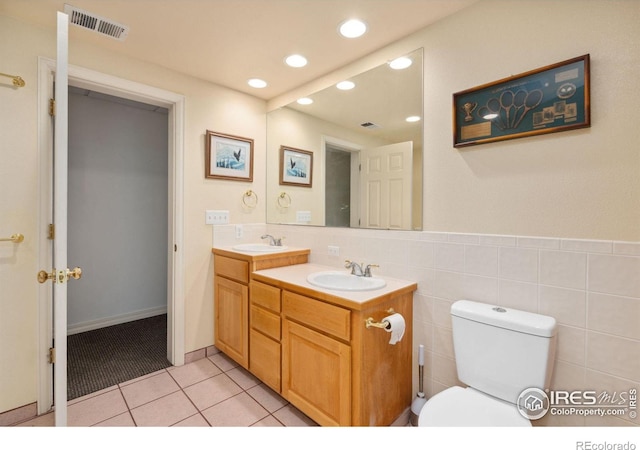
(371, 322)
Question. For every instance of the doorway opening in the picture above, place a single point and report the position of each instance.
(118, 221)
(174, 239)
(341, 183)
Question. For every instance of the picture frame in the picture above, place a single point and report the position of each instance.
(228, 157)
(296, 167)
(546, 100)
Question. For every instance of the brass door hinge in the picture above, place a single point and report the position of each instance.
(52, 232)
(52, 107)
(52, 355)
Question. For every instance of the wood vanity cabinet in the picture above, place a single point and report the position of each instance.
(333, 368)
(231, 296)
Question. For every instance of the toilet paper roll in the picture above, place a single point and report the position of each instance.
(396, 327)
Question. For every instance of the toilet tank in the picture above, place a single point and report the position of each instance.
(502, 351)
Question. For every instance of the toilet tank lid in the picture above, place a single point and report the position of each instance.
(508, 318)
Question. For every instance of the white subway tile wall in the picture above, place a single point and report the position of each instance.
(591, 287)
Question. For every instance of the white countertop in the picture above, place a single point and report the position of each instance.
(296, 275)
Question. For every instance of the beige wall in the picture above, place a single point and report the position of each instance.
(580, 184)
(207, 107)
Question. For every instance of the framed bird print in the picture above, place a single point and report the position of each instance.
(296, 166)
(228, 157)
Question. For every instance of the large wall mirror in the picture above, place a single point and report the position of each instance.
(351, 157)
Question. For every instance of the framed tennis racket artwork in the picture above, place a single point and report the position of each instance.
(547, 100)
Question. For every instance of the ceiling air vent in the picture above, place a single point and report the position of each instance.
(95, 23)
(369, 125)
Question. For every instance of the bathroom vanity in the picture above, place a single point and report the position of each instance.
(232, 270)
(312, 345)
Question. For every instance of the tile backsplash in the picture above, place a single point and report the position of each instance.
(592, 288)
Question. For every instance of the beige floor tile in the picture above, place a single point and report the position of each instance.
(96, 409)
(194, 421)
(93, 394)
(212, 390)
(149, 375)
(268, 421)
(223, 361)
(244, 379)
(121, 420)
(164, 412)
(292, 417)
(45, 420)
(149, 389)
(194, 372)
(238, 411)
(267, 397)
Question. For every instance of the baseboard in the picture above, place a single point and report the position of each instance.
(115, 320)
(16, 415)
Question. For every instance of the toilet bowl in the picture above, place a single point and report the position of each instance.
(499, 353)
(466, 407)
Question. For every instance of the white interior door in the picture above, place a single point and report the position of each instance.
(60, 272)
(386, 186)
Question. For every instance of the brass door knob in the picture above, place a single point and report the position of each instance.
(61, 276)
(76, 273)
(43, 276)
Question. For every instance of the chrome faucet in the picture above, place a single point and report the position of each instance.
(273, 241)
(367, 270)
(357, 270)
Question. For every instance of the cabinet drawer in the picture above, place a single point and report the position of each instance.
(265, 322)
(322, 316)
(231, 268)
(264, 359)
(265, 296)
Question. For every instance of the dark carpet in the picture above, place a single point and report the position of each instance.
(107, 356)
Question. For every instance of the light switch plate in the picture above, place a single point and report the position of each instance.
(216, 217)
(303, 216)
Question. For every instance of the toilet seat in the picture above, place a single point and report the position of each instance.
(467, 407)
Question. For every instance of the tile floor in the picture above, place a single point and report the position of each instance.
(209, 392)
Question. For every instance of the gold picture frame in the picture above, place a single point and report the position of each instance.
(228, 157)
(296, 167)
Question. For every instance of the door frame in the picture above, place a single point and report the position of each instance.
(354, 149)
(119, 87)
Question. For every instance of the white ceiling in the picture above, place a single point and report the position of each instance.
(229, 41)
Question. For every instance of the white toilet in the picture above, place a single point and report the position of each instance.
(499, 353)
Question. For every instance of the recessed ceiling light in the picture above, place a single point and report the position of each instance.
(345, 85)
(305, 101)
(352, 28)
(413, 119)
(296, 61)
(257, 83)
(400, 63)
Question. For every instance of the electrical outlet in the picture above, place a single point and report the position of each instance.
(216, 217)
(239, 232)
(333, 250)
(303, 216)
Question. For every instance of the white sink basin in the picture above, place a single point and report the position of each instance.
(345, 282)
(259, 248)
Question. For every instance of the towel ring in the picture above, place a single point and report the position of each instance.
(284, 201)
(246, 199)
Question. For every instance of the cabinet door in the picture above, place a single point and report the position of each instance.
(265, 359)
(232, 319)
(316, 374)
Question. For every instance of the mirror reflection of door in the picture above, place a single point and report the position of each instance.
(386, 186)
(337, 187)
